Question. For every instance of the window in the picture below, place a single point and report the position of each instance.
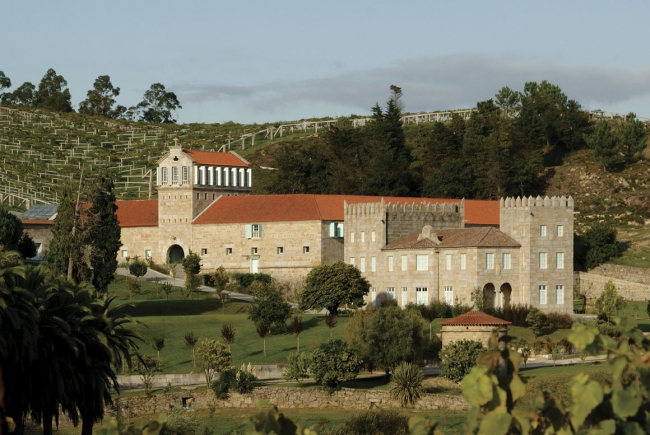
(254, 251)
(542, 295)
(280, 250)
(559, 260)
(542, 230)
(198, 196)
(405, 296)
(205, 196)
(125, 253)
(352, 261)
(336, 230)
(228, 251)
(390, 263)
(164, 177)
(362, 265)
(305, 249)
(372, 236)
(489, 261)
(147, 252)
(506, 261)
(559, 294)
(186, 174)
(463, 261)
(38, 252)
(448, 261)
(390, 293)
(352, 237)
(373, 264)
(559, 230)
(253, 231)
(363, 236)
(421, 296)
(204, 251)
(174, 174)
(448, 294)
(404, 262)
(421, 262)
(373, 295)
(543, 264)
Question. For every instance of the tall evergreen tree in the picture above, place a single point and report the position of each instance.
(104, 235)
(100, 100)
(13, 236)
(23, 95)
(52, 93)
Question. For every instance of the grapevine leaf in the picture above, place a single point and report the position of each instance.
(517, 387)
(606, 427)
(582, 335)
(495, 423)
(632, 428)
(586, 396)
(421, 425)
(477, 386)
(523, 421)
(626, 401)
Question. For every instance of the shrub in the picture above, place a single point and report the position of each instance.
(536, 321)
(246, 279)
(442, 309)
(608, 329)
(516, 314)
(458, 309)
(458, 358)
(333, 363)
(375, 422)
(240, 380)
(297, 368)
(406, 384)
(559, 321)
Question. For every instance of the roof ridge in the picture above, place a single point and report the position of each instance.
(484, 236)
(206, 209)
(313, 198)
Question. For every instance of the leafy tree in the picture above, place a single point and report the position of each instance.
(13, 236)
(330, 285)
(263, 330)
(192, 266)
(228, 334)
(535, 319)
(23, 95)
(5, 83)
(297, 327)
(605, 144)
(219, 279)
(332, 363)
(610, 301)
(104, 233)
(458, 357)
(428, 312)
(508, 100)
(600, 244)
(190, 341)
(271, 310)
(406, 384)
(212, 356)
(167, 288)
(331, 322)
(100, 100)
(633, 135)
(52, 93)
(158, 344)
(138, 268)
(158, 105)
(147, 368)
(297, 368)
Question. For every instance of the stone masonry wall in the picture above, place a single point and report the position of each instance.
(592, 285)
(639, 275)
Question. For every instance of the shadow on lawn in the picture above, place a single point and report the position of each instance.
(171, 308)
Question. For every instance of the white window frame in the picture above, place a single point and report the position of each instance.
(280, 250)
(204, 251)
(256, 230)
(373, 295)
(351, 261)
(363, 236)
(390, 293)
(489, 260)
(542, 230)
(372, 236)
(507, 263)
(305, 249)
(543, 295)
(186, 175)
(448, 295)
(559, 230)
(447, 261)
(147, 253)
(405, 263)
(421, 295)
(228, 251)
(373, 264)
(421, 262)
(390, 263)
(352, 237)
(559, 294)
(254, 251)
(125, 253)
(362, 264)
(463, 261)
(559, 260)
(405, 296)
(543, 260)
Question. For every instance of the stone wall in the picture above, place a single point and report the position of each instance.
(639, 275)
(284, 398)
(592, 286)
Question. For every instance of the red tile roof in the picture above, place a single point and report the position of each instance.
(137, 213)
(476, 318)
(481, 237)
(37, 222)
(277, 208)
(216, 159)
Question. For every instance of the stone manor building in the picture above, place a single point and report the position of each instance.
(410, 249)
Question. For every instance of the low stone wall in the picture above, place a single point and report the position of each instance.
(284, 398)
(633, 274)
(592, 285)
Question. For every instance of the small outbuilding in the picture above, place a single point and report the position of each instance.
(473, 325)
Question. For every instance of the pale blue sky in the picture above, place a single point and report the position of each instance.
(264, 61)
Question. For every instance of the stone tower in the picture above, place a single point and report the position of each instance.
(544, 228)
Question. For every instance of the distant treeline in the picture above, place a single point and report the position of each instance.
(158, 104)
(504, 149)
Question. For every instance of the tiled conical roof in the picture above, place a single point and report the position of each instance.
(476, 318)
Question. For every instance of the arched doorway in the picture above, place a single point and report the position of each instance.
(505, 294)
(489, 295)
(175, 254)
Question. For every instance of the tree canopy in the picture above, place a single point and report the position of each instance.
(52, 93)
(100, 100)
(330, 285)
(158, 105)
(13, 236)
